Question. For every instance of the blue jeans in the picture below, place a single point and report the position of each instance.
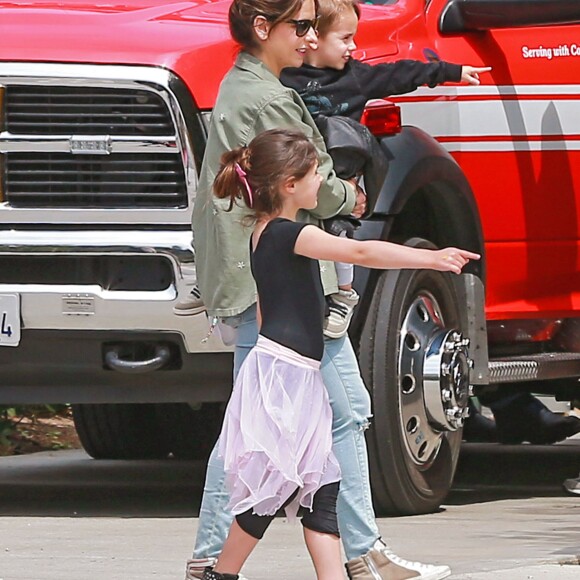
(351, 408)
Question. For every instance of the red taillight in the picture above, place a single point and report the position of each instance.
(382, 118)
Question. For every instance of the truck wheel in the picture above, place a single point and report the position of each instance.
(414, 362)
(124, 431)
(190, 433)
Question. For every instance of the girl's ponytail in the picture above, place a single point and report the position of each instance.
(232, 181)
(252, 175)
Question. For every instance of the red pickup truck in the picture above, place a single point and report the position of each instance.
(103, 116)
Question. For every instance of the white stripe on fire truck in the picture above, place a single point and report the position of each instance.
(489, 118)
(481, 146)
(540, 91)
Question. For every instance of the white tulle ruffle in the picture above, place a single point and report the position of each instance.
(277, 432)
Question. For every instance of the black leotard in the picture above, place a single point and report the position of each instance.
(289, 289)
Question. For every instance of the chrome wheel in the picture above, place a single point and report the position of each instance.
(434, 357)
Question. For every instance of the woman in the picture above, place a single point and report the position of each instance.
(274, 34)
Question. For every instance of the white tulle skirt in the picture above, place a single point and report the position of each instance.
(277, 432)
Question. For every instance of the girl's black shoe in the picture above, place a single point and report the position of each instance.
(209, 574)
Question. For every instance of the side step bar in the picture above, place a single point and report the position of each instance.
(537, 367)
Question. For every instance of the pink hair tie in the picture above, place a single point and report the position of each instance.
(242, 175)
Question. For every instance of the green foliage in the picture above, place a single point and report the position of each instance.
(11, 417)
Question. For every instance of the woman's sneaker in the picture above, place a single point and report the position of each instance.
(341, 306)
(381, 563)
(196, 567)
(191, 304)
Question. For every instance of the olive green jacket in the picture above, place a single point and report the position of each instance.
(251, 100)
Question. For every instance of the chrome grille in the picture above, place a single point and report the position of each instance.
(83, 137)
(118, 180)
(54, 110)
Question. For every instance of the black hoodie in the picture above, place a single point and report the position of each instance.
(345, 92)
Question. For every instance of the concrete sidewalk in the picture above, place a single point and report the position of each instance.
(49, 548)
(66, 517)
(526, 572)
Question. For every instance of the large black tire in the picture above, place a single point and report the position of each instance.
(148, 431)
(190, 433)
(122, 431)
(404, 481)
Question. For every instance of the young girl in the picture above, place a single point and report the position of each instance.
(276, 439)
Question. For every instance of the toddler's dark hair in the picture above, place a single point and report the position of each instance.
(271, 158)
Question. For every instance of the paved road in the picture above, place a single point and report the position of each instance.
(64, 516)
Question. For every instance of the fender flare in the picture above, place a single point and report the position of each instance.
(419, 164)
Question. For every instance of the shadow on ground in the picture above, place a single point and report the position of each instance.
(71, 484)
(489, 472)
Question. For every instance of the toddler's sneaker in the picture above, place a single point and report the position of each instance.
(341, 306)
(381, 563)
(190, 305)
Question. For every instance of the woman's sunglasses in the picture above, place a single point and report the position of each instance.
(303, 26)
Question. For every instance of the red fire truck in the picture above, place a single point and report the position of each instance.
(103, 116)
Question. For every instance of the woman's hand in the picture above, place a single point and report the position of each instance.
(360, 205)
(470, 74)
(452, 259)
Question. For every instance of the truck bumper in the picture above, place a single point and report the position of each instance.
(52, 366)
(48, 302)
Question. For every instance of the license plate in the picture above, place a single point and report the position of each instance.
(9, 319)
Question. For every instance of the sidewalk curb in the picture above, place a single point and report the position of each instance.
(562, 568)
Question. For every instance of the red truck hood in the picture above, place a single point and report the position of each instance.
(190, 38)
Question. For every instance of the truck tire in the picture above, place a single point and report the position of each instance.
(190, 433)
(413, 457)
(120, 431)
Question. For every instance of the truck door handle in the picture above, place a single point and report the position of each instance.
(158, 360)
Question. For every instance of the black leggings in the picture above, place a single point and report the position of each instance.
(321, 519)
